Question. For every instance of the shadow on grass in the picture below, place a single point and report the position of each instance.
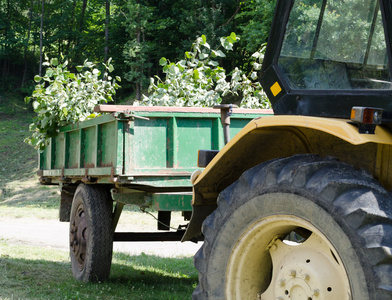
(132, 277)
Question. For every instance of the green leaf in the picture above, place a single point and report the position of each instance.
(204, 39)
(203, 56)
(163, 62)
(35, 105)
(54, 62)
(196, 74)
(233, 36)
(226, 43)
(37, 78)
(219, 53)
(257, 66)
(213, 63)
(174, 70)
(253, 76)
(207, 46)
(70, 75)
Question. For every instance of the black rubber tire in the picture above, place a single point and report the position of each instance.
(347, 206)
(91, 233)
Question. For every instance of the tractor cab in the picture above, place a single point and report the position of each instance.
(326, 56)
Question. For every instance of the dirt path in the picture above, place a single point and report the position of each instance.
(54, 234)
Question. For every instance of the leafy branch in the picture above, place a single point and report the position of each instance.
(198, 79)
(62, 97)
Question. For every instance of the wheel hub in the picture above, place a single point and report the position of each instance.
(78, 236)
(266, 266)
(304, 271)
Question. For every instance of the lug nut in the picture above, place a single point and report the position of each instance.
(282, 283)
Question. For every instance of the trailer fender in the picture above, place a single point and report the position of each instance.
(270, 137)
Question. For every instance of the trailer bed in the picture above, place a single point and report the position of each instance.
(149, 148)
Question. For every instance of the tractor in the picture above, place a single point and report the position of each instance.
(298, 205)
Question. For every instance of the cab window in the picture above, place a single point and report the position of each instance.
(335, 45)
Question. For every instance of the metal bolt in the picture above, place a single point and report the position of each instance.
(307, 277)
(293, 273)
(316, 292)
(282, 283)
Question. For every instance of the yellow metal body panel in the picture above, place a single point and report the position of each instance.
(271, 137)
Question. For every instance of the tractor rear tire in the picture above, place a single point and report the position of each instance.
(302, 227)
(91, 233)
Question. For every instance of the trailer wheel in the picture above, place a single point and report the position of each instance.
(303, 227)
(91, 235)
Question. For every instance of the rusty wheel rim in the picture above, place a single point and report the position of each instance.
(78, 236)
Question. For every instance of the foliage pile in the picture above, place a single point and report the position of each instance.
(62, 97)
(199, 80)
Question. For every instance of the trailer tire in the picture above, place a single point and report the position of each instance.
(91, 233)
(341, 217)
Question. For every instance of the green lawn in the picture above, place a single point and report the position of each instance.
(43, 273)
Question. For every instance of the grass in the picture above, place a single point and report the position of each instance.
(19, 185)
(31, 273)
(28, 272)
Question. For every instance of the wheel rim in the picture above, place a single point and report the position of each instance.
(264, 264)
(78, 236)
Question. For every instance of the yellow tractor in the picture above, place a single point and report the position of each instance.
(297, 205)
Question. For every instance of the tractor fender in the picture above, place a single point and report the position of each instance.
(270, 137)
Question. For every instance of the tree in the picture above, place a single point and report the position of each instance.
(41, 33)
(107, 20)
(27, 43)
(135, 33)
(254, 23)
(137, 48)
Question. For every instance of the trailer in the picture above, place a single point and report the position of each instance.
(143, 156)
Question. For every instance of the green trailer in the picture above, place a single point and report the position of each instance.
(142, 156)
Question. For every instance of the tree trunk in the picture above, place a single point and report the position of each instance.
(6, 45)
(41, 38)
(27, 44)
(81, 23)
(80, 27)
(107, 19)
(71, 36)
(138, 95)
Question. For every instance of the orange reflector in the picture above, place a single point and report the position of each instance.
(352, 114)
(366, 115)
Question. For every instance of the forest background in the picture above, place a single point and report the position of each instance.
(134, 33)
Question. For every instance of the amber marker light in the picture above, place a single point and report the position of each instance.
(366, 115)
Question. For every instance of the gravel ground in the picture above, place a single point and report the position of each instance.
(54, 234)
